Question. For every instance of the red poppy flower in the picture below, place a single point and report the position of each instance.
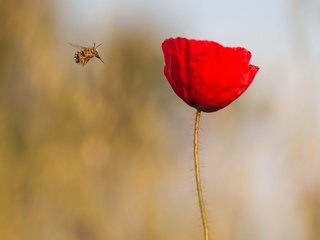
(205, 74)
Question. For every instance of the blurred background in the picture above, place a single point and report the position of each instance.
(105, 151)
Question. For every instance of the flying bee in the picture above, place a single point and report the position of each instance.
(84, 54)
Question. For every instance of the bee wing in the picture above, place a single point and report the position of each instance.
(76, 46)
(98, 45)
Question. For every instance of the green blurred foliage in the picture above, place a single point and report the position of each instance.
(82, 149)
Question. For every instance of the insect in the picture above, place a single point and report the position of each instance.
(84, 54)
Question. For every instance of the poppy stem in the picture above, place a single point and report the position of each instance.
(198, 178)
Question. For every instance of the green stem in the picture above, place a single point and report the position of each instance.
(198, 179)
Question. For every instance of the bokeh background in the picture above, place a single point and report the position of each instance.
(105, 151)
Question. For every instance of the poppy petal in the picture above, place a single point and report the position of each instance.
(205, 74)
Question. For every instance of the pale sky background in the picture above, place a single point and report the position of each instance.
(255, 24)
(266, 28)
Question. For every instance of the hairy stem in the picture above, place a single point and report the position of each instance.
(198, 178)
